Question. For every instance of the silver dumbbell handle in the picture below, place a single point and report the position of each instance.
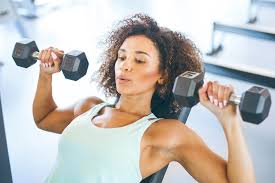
(235, 99)
(35, 54)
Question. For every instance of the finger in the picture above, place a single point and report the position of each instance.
(231, 91)
(56, 61)
(47, 56)
(203, 92)
(59, 53)
(54, 57)
(215, 92)
(46, 65)
(43, 65)
(221, 95)
(210, 92)
(226, 95)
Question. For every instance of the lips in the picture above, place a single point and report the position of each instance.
(123, 78)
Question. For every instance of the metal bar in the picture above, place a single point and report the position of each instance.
(264, 3)
(252, 12)
(18, 23)
(5, 170)
(254, 7)
(246, 30)
(242, 74)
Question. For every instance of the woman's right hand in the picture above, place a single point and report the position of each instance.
(50, 60)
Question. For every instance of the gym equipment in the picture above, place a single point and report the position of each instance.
(245, 30)
(74, 64)
(5, 169)
(246, 73)
(185, 92)
(253, 8)
(254, 104)
(260, 76)
(8, 13)
(26, 8)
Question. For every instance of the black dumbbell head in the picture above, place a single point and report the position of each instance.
(186, 87)
(255, 104)
(22, 53)
(74, 65)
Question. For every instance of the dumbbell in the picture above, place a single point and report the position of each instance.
(74, 64)
(254, 104)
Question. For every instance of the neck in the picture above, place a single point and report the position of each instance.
(137, 105)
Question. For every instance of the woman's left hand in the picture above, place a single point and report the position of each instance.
(215, 97)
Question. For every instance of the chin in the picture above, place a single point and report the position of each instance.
(125, 92)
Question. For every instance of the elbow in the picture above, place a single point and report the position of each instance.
(38, 123)
(242, 179)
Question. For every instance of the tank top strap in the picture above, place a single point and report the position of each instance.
(95, 109)
(146, 121)
(152, 120)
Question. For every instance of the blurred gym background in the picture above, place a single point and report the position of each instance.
(82, 24)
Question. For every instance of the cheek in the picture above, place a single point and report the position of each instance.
(149, 76)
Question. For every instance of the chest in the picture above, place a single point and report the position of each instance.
(153, 155)
(104, 138)
(113, 120)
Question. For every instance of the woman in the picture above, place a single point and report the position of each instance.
(138, 135)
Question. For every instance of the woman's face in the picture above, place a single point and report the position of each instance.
(137, 66)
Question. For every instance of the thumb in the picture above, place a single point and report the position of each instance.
(57, 61)
(203, 92)
(59, 53)
(55, 57)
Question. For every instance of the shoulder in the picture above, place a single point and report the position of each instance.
(85, 104)
(169, 134)
(167, 131)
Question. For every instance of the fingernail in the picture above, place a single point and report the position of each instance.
(211, 99)
(220, 105)
(53, 55)
(224, 102)
(216, 102)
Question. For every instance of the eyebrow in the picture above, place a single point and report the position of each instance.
(138, 52)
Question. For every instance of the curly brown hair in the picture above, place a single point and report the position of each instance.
(177, 55)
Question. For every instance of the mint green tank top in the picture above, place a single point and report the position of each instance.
(91, 154)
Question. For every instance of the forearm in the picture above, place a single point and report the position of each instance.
(43, 102)
(239, 167)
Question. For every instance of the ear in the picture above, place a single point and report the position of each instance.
(160, 81)
(163, 78)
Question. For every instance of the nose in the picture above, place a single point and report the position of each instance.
(126, 65)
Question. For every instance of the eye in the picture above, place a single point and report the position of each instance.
(139, 61)
(121, 58)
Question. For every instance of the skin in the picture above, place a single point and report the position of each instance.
(139, 62)
(165, 140)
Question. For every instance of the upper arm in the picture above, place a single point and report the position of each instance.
(57, 120)
(191, 152)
